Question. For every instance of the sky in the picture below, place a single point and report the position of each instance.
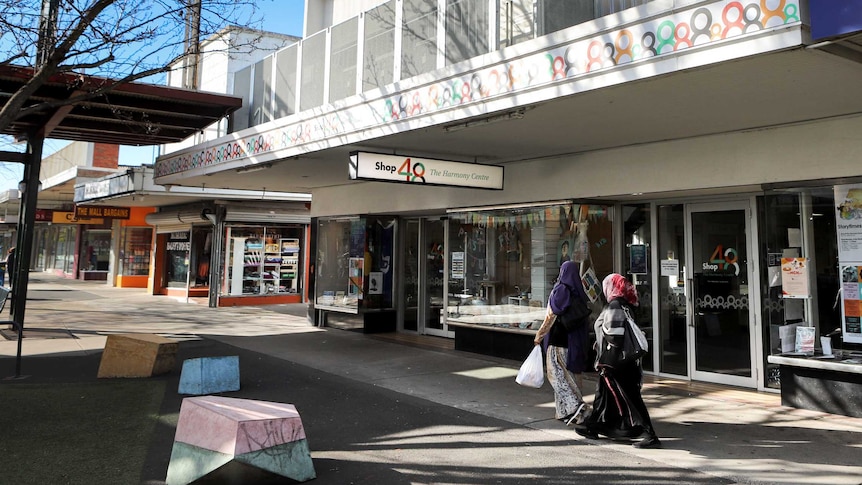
(281, 16)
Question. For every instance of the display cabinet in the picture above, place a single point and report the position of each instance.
(288, 272)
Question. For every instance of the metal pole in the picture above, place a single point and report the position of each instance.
(26, 229)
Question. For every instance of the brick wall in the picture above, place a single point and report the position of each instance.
(105, 156)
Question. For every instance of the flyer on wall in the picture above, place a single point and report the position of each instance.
(851, 307)
(794, 278)
(848, 222)
(848, 227)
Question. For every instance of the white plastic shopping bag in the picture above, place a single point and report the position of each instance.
(532, 373)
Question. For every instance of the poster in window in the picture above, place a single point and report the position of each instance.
(638, 255)
(851, 309)
(848, 222)
(355, 277)
(375, 283)
(794, 278)
(848, 228)
(457, 270)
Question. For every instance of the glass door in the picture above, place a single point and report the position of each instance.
(424, 278)
(721, 318)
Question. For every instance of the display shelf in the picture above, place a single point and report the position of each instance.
(288, 271)
(264, 266)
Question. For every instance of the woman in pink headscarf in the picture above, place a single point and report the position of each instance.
(618, 408)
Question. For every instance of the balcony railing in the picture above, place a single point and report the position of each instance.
(397, 40)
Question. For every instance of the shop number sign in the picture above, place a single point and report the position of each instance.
(723, 259)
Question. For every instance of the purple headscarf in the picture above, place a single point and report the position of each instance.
(561, 294)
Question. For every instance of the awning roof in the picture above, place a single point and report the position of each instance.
(130, 114)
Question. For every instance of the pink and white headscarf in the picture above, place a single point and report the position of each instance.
(615, 286)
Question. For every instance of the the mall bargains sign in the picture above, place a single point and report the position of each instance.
(424, 171)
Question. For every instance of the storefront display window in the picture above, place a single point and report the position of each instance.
(95, 250)
(637, 265)
(504, 262)
(135, 257)
(178, 247)
(355, 264)
(260, 260)
(202, 240)
(799, 225)
(64, 249)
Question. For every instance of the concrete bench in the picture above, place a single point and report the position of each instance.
(209, 375)
(214, 431)
(137, 355)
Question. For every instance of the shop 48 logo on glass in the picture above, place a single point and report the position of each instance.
(412, 171)
(723, 259)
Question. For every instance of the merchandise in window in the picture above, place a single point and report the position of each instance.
(349, 253)
(262, 260)
(504, 263)
(135, 257)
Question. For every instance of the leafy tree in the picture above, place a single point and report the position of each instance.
(117, 40)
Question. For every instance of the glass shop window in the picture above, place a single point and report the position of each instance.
(504, 263)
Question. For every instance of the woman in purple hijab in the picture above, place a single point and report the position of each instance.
(565, 350)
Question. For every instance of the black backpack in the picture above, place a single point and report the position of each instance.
(576, 315)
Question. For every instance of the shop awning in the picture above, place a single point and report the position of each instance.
(176, 220)
(280, 215)
(127, 114)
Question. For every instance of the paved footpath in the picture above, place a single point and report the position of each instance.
(504, 433)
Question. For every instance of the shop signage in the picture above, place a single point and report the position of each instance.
(72, 218)
(831, 18)
(106, 212)
(44, 215)
(722, 260)
(104, 188)
(424, 171)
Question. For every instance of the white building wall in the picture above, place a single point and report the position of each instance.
(76, 154)
(708, 165)
(221, 57)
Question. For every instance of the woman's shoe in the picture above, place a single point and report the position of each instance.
(651, 441)
(576, 417)
(586, 432)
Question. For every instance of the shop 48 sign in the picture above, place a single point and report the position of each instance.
(723, 259)
(413, 173)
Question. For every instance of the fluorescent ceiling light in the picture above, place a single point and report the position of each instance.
(253, 168)
(511, 115)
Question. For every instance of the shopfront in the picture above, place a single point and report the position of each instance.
(231, 254)
(356, 270)
(135, 250)
(263, 263)
(712, 275)
(183, 240)
(71, 246)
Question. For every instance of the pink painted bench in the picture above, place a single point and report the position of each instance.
(213, 431)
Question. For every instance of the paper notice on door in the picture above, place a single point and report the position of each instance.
(670, 267)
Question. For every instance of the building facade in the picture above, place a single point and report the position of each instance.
(694, 146)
